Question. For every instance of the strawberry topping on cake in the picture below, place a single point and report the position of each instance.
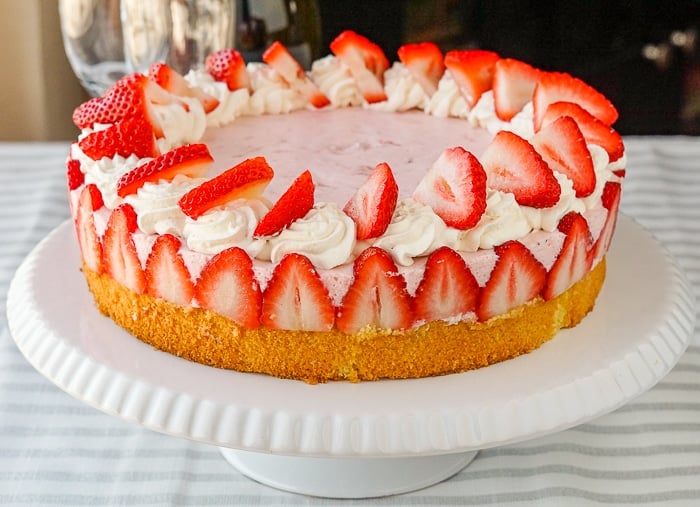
(513, 165)
(172, 81)
(594, 131)
(514, 83)
(130, 136)
(448, 288)
(227, 286)
(473, 70)
(167, 276)
(374, 203)
(425, 62)
(132, 96)
(518, 277)
(295, 203)
(455, 188)
(366, 61)
(295, 297)
(280, 59)
(563, 146)
(377, 296)
(247, 179)
(228, 66)
(561, 87)
(191, 160)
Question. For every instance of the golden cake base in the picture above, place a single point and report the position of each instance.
(433, 349)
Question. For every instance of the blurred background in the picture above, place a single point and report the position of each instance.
(643, 54)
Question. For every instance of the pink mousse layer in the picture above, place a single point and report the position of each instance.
(341, 147)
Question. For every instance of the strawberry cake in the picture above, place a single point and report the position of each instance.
(360, 220)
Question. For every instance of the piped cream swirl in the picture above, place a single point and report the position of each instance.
(333, 78)
(402, 90)
(221, 228)
(156, 205)
(232, 104)
(415, 230)
(325, 235)
(271, 93)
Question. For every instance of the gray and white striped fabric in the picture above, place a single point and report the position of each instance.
(54, 450)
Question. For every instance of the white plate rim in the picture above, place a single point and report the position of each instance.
(388, 418)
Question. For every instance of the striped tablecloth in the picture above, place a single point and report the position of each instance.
(54, 450)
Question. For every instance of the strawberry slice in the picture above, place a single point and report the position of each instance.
(513, 86)
(593, 130)
(574, 260)
(279, 58)
(173, 82)
(612, 192)
(245, 180)
(472, 70)
(90, 200)
(512, 165)
(517, 278)
(373, 205)
(366, 61)
(192, 160)
(561, 87)
(296, 299)
(228, 66)
(167, 276)
(227, 286)
(377, 296)
(295, 203)
(119, 256)
(563, 146)
(425, 62)
(455, 188)
(448, 288)
(132, 96)
(74, 175)
(130, 136)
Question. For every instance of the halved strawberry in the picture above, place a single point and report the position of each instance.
(563, 146)
(472, 70)
(247, 179)
(119, 257)
(228, 287)
(513, 86)
(517, 278)
(90, 200)
(574, 260)
(612, 192)
(132, 96)
(377, 296)
(172, 81)
(425, 62)
(167, 276)
(512, 165)
(366, 61)
(295, 203)
(373, 205)
(562, 87)
(296, 299)
(228, 66)
(455, 188)
(74, 175)
(448, 288)
(593, 130)
(279, 58)
(130, 136)
(192, 160)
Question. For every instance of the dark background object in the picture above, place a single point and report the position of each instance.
(643, 55)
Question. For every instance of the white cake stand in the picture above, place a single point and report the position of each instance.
(370, 439)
